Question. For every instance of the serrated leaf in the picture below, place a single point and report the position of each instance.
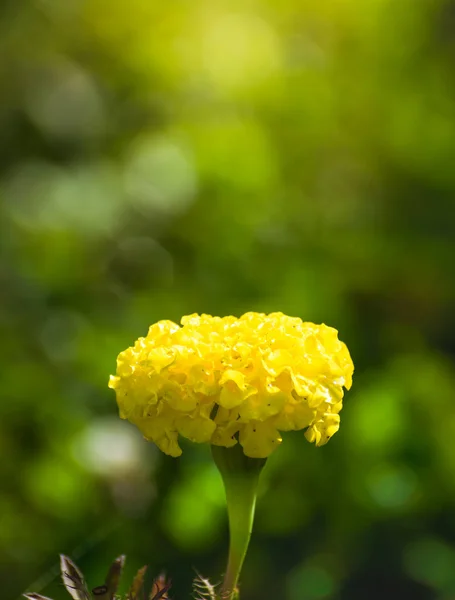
(160, 588)
(108, 590)
(138, 585)
(203, 589)
(73, 580)
(33, 596)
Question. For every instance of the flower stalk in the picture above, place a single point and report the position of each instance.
(240, 476)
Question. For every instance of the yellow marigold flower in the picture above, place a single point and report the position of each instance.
(223, 380)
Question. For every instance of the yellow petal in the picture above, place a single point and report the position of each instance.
(318, 397)
(224, 435)
(195, 429)
(295, 416)
(312, 435)
(162, 432)
(177, 397)
(161, 331)
(259, 440)
(236, 376)
(301, 384)
(113, 382)
(262, 406)
(160, 358)
(202, 380)
(169, 444)
(235, 389)
(321, 431)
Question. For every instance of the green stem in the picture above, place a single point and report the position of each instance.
(240, 477)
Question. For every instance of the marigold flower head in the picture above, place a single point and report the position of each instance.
(228, 380)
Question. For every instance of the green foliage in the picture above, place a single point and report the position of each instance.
(163, 158)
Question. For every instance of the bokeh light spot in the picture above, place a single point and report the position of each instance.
(239, 50)
(431, 561)
(195, 508)
(392, 486)
(310, 582)
(159, 176)
(85, 198)
(64, 102)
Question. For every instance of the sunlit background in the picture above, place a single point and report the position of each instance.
(163, 158)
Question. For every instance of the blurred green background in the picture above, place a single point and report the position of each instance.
(164, 158)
